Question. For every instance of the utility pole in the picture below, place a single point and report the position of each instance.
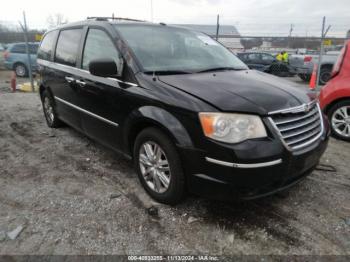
(152, 11)
(290, 34)
(323, 35)
(25, 31)
(217, 28)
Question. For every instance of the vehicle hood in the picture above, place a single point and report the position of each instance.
(241, 91)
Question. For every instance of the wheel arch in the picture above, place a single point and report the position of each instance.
(327, 65)
(152, 116)
(43, 88)
(338, 100)
(18, 63)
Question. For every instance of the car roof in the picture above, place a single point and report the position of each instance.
(266, 53)
(22, 43)
(102, 22)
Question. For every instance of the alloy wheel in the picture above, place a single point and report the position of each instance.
(48, 110)
(341, 121)
(20, 70)
(154, 167)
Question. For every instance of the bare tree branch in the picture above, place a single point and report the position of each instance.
(55, 20)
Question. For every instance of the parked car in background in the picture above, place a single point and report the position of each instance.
(16, 58)
(265, 62)
(335, 96)
(2, 50)
(304, 65)
(3, 47)
(186, 110)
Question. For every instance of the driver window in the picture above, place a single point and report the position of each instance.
(267, 58)
(253, 57)
(99, 45)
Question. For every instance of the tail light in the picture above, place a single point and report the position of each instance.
(338, 64)
(6, 54)
(307, 59)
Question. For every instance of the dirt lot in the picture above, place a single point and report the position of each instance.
(72, 196)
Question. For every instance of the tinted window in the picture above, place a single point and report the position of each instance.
(267, 58)
(33, 49)
(67, 46)
(47, 45)
(253, 57)
(99, 45)
(242, 56)
(18, 48)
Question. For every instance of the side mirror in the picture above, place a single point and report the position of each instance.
(103, 67)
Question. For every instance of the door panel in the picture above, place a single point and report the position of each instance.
(101, 99)
(100, 96)
(64, 88)
(65, 93)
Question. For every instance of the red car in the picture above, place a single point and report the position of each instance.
(335, 96)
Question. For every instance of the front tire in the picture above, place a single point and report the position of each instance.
(305, 77)
(339, 117)
(158, 166)
(50, 110)
(20, 70)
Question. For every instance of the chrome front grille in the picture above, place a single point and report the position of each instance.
(299, 126)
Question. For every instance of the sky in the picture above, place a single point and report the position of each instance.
(251, 17)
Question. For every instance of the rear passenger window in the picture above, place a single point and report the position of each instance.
(99, 45)
(67, 47)
(18, 49)
(47, 45)
(253, 57)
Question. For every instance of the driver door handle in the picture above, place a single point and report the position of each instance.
(69, 79)
(81, 83)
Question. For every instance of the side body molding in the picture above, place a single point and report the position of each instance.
(158, 117)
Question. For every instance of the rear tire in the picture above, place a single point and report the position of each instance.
(49, 109)
(158, 166)
(20, 70)
(305, 77)
(339, 118)
(325, 75)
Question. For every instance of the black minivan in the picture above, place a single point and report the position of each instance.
(188, 112)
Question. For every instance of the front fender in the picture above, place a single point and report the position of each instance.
(152, 115)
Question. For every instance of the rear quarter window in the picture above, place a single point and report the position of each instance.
(47, 45)
(68, 46)
(33, 49)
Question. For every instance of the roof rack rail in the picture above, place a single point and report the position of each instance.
(106, 18)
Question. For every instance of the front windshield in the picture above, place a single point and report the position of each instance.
(162, 48)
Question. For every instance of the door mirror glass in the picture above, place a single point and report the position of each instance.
(103, 67)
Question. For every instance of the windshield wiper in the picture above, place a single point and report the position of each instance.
(220, 69)
(168, 72)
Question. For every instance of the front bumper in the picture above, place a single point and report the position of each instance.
(252, 169)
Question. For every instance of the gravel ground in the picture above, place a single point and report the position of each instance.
(73, 196)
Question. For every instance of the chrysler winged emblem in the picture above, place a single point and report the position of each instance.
(307, 108)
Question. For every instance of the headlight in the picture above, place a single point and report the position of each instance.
(232, 128)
